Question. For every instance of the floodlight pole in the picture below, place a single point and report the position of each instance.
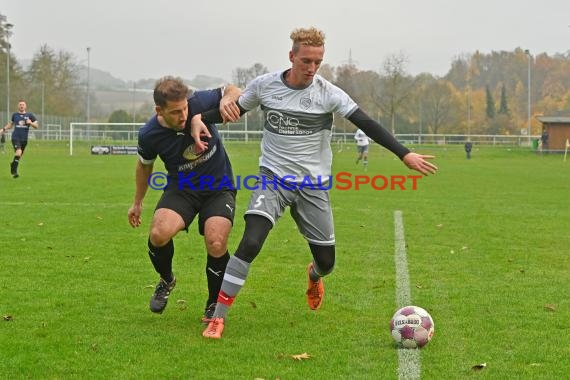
(134, 102)
(8, 34)
(88, 116)
(469, 98)
(43, 101)
(421, 121)
(527, 52)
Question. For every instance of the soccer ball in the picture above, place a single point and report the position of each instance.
(411, 327)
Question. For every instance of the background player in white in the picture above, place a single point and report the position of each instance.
(298, 106)
(362, 142)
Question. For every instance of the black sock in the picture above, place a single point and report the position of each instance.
(161, 258)
(14, 164)
(215, 269)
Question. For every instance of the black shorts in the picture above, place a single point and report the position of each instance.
(19, 144)
(206, 204)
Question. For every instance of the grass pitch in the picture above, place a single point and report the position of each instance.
(488, 247)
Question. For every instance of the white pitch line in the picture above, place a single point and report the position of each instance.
(409, 363)
(65, 204)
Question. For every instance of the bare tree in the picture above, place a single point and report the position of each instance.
(56, 74)
(397, 86)
(438, 102)
(242, 76)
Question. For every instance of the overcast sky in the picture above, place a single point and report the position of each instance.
(138, 39)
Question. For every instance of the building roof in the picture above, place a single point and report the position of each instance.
(554, 119)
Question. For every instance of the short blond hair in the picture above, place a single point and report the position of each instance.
(311, 37)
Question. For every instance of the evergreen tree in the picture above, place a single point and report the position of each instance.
(503, 107)
(120, 116)
(490, 103)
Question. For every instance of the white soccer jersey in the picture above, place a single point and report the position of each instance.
(298, 123)
(361, 138)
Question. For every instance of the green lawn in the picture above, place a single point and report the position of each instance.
(488, 242)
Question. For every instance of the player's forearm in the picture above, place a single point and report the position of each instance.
(231, 92)
(378, 133)
(142, 172)
(214, 115)
(34, 124)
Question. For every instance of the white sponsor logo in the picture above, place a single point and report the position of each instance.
(277, 119)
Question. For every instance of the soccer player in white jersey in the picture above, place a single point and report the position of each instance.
(362, 142)
(298, 106)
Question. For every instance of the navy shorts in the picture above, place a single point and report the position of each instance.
(206, 204)
(19, 144)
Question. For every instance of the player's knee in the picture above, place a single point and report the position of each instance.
(158, 237)
(216, 247)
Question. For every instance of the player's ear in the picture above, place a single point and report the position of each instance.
(291, 56)
(158, 110)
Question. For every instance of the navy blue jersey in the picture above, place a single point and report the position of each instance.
(21, 129)
(209, 170)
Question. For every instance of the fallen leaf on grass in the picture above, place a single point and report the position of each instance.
(182, 305)
(439, 225)
(479, 367)
(550, 307)
(8, 318)
(302, 356)
(419, 286)
(40, 224)
(253, 304)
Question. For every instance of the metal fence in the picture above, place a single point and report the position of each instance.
(64, 129)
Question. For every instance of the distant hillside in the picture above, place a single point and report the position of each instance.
(111, 93)
(103, 80)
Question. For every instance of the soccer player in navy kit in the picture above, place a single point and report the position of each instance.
(298, 107)
(21, 121)
(166, 135)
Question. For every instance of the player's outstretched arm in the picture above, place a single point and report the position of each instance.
(418, 162)
(381, 136)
